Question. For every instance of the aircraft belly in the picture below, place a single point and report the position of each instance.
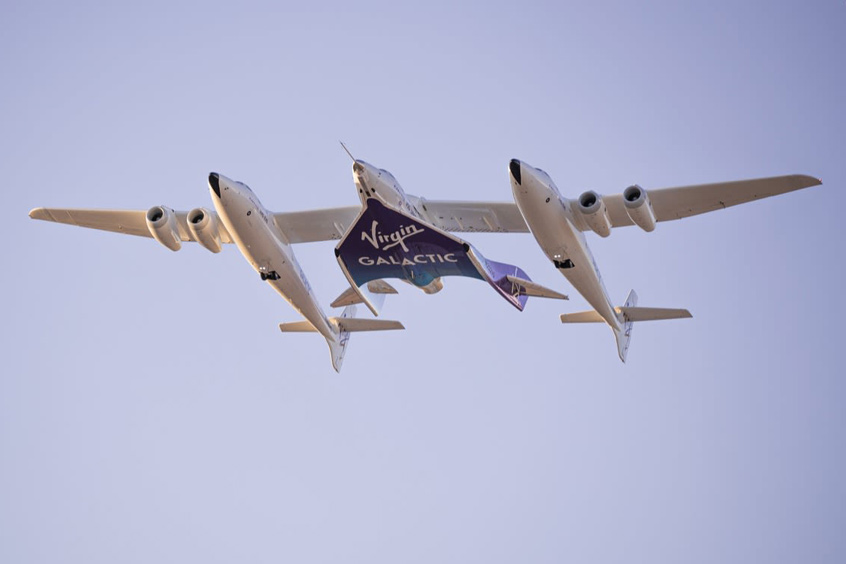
(292, 284)
(292, 289)
(550, 225)
(266, 253)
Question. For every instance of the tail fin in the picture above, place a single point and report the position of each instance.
(627, 315)
(338, 347)
(342, 326)
(624, 333)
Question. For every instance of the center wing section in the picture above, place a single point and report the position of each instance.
(456, 216)
(474, 217)
(386, 243)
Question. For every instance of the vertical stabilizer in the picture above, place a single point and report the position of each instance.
(338, 347)
(624, 333)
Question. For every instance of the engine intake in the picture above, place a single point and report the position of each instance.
(161, 222)
(204, 229)
(639, 208)
(595, 213)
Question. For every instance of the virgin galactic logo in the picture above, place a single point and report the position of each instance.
(385, 242)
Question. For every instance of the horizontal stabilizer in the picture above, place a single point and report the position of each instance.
(630, 313)
(530, 288)
(297, 327)
(590, 316)
(342, 326)
(348, 324)
(652, 313)
(351, 296)
(355, 325)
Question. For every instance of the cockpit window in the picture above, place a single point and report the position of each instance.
(544, 174)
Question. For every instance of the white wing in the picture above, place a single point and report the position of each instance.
(131, 222)
(332, 223)
(685, 201)
(465, 217)
(299, 227)
(458, 216)
(316, 225)
(667, 203)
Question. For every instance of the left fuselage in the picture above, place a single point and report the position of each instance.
(254, 231)
(550, 219)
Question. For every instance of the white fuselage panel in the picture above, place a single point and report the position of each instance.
(551, 221)
(254, 232)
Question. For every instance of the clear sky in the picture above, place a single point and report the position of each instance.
(150, 410)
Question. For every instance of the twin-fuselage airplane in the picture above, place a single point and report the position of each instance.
(395, 235)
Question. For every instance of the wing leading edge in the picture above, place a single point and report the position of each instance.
(455, 216)
(685, 201)
(130, 222)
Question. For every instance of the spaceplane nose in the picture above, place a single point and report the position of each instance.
(214, 182)
(514, 167)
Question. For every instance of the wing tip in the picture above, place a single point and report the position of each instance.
(806, 180)
(38, 213)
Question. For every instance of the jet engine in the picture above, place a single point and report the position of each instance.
(639, 207)
(595, 213)
(161, 222)
(203, 227)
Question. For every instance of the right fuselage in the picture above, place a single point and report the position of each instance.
(254, 231)
(550, 219)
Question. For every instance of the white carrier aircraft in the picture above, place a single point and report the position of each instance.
(558, 225)
(396, 235)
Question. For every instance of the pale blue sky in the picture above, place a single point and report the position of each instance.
(151, 411)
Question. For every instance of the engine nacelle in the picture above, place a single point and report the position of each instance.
(161, 222)
(595, 213)
(639, 207)
(203, 227)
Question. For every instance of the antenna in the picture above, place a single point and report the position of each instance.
(347, 150)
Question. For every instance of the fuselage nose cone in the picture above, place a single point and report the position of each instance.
(214, 182)
(514, 167)
(360, 169)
